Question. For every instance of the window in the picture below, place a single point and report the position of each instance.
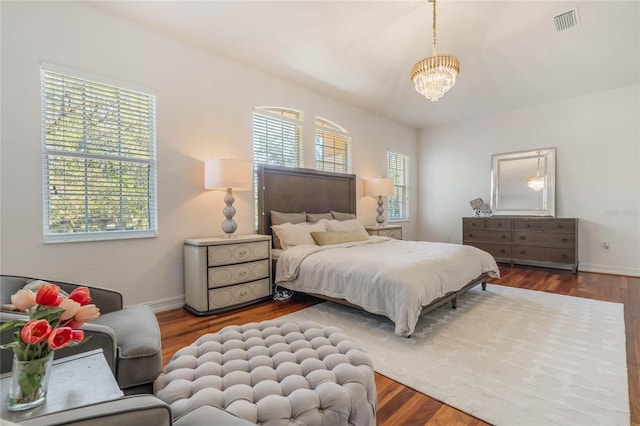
(99, 160)
(277, 140)
(277, 137)
(333, 147)
(398, 171)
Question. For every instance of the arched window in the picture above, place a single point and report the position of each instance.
(333, 147)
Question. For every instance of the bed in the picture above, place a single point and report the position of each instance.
(398, 279)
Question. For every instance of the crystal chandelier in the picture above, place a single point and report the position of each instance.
(536, 182)
(435, 75)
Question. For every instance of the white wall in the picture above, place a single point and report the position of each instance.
(598, 171)
(204, 109)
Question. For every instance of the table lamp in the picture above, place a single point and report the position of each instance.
(379, 187)
(225, 174)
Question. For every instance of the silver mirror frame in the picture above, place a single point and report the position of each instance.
(545, 205)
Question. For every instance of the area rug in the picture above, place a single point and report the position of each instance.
(507, 356)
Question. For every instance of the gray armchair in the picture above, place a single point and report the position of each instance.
(129, 337)
(139, 410)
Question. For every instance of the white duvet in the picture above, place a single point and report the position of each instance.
(385, 276)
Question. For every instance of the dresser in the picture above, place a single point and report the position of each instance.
(391, 231)
(221, 274)
(537, 241)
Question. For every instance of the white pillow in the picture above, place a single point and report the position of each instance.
(351, 225)
(294, 235)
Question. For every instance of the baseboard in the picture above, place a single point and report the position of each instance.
(606, 269)
(166, 304)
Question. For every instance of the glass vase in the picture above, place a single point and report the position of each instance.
(29, 382)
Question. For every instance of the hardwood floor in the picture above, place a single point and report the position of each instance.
(400, 405)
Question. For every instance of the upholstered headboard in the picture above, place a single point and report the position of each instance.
(291, 190)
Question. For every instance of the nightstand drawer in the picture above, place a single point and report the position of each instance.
(238, 273)
(220, 273)
(237, 253)
(238, 294)
(391, 233)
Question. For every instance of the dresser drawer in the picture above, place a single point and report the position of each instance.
(544, 254)
(498, 224)
(237, 253)
(499, 251)
(238, 273)
(560, 225)
(490, 223)
(527, 225)
(486, 236)
(544, 239)
(468, 223)
(238, 294)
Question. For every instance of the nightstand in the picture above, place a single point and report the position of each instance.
(221, 274)
(391, 231)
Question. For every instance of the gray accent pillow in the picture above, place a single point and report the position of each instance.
(315, 217)
(342, 216)
(278, 218)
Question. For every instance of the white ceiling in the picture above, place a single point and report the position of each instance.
(362, 51)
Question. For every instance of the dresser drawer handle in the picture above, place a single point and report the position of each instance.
(470, 235)
(242, 253)
(473, 224)
(526, 225)
(504, 237)
(499, 225)
(522, 237)
(564, 240)
(522, 252)
(564, 256)
(558, 226)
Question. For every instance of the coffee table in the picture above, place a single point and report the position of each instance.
(75, 381)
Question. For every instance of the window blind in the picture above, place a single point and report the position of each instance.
(277, 140)
(99, 160)
(397, 169)
(277, 137)
(333, 147)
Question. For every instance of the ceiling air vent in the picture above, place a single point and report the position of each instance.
(567, 20)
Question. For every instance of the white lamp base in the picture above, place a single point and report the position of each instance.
(229, 226)
(380, 210)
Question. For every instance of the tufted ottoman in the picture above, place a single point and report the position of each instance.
(274, 373)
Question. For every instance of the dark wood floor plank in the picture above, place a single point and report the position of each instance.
(400, 405)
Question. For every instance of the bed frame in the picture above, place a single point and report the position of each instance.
(290, 190)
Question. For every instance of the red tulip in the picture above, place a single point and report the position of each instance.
(48, 295)
(60, 337)
(81, 295)
(35, 331)
(77, 335)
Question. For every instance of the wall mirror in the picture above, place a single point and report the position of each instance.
(523, 183)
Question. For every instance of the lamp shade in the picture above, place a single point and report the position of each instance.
(378, 186)
(223, 173)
